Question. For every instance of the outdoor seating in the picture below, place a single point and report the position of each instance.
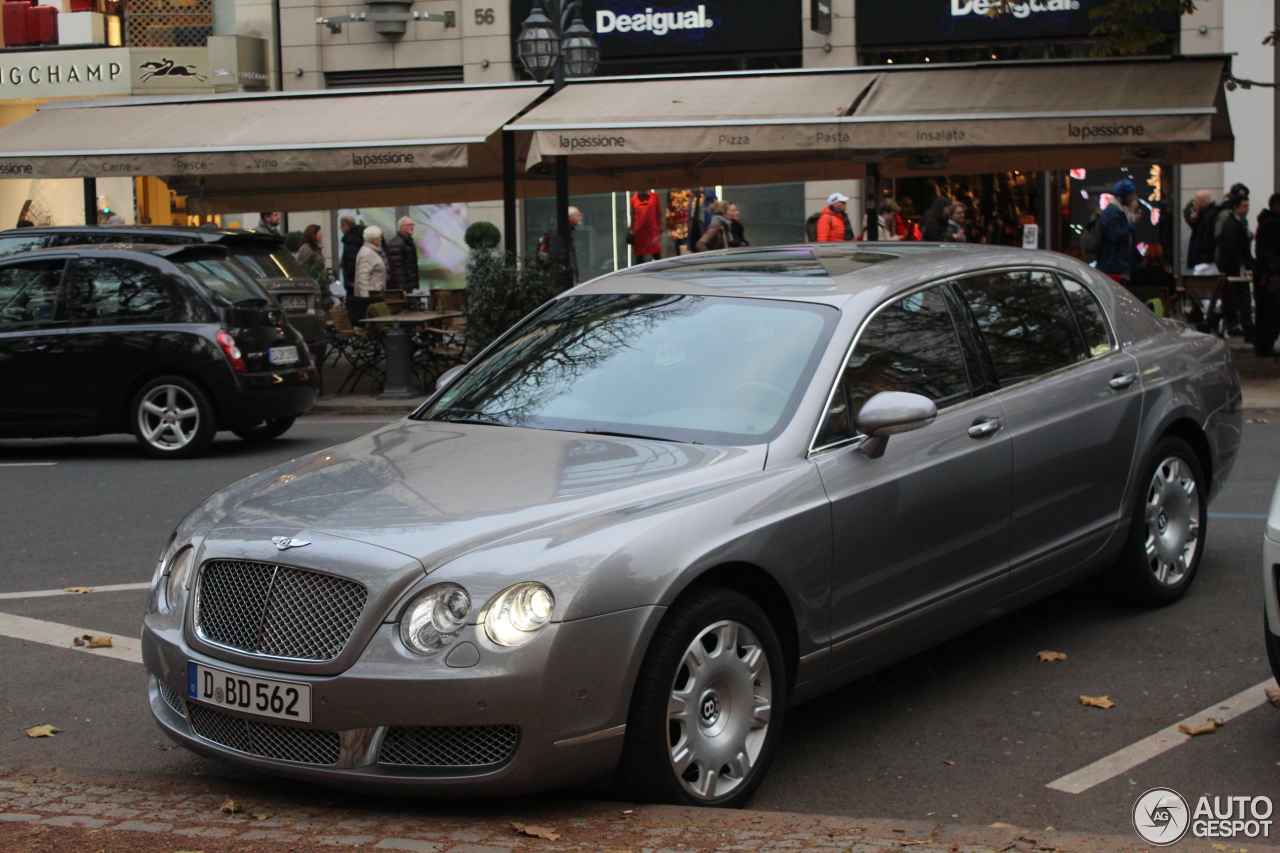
(360, 349)
(1204, 295)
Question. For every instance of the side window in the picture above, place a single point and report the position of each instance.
(87, 238)
(1093, 322)
(1025, 322)
(910, 345)
(116, 291)
(21, 243)
(29, 292)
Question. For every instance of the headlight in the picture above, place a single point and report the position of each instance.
(514, 616)
(175, 581)
(435, 619)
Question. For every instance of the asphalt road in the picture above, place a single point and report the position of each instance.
(881, 747)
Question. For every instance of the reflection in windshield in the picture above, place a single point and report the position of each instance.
(716, 370)
(227, 284)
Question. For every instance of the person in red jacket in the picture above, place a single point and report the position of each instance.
(833, 222)
(645, 235)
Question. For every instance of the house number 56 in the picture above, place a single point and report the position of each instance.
(484, 16)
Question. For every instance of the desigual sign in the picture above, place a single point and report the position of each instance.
(926, 22)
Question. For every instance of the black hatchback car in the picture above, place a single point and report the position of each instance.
(263, 257)
(170, 343)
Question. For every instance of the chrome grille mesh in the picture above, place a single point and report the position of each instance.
(448, 746)
(305, 746)
(267, 609)
(170, 697)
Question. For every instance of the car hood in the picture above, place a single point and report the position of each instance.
(434, 491)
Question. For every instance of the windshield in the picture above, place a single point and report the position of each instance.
(227, 284)
(712, 370)
(267, 261)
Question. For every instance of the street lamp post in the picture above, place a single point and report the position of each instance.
(554, 40)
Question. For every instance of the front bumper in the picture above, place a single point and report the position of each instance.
(567, 692)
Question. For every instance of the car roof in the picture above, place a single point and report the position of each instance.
(821, 271)
(197, 234)
(162, 250)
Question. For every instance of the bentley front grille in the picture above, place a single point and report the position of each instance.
(448, 746)
(171, 698)
(265, 609)
(305, 746)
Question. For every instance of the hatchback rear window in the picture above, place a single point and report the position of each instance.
(228, 284)
(264, 262)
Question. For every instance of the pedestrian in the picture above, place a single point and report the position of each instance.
(402, 258)
(1266, 280)
(1153, 273)
(371, 273)
(563, 251)
(937, 219)
(1235, 255)
(352, 240)
(645, 232)
(955, 223)
(718, 232)
(1115, 226)
(269, 224)
(888, 227)
(737, 237)
(311, 250)
(833, 222)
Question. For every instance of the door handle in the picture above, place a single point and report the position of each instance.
(1121, 381)
(41, 346)
(985, 428)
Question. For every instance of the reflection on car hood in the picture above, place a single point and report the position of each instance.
(435, 491)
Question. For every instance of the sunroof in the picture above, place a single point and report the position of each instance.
(763, 270)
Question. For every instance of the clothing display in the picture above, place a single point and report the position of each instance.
(646, 224)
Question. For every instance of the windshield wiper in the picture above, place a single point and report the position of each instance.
(465, 420)
(635, 435)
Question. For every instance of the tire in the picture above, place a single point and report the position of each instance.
(172, 418)
(718, 717)
(266, 430)
(1166, 536)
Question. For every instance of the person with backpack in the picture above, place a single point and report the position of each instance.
(1115, 230)
(833, 221)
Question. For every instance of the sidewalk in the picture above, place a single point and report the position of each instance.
(51, 811)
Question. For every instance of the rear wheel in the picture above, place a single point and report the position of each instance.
(172, 418)
(708, 706)
(266, 430)
(1166, 536)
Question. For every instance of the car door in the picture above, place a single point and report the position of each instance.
(923, 529)
(118, 310)
(33, 400)
(1072, 404)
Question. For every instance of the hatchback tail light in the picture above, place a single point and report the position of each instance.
(229, 347)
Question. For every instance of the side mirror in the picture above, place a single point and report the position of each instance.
(889, 413)
(448, 375)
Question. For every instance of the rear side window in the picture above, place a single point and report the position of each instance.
(1093, 322)
(29, 292)
(107, 290)
(21, 243)
(224, 281)
(1025, 323)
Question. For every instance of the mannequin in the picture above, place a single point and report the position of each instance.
(645, 234)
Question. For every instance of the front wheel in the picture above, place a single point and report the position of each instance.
(708, 706)
(1166, 536)
(172, 418)
(266, 430)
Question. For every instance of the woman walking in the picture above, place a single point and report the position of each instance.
(311, 251)
(718, 232)
(371, 272)
(936, 219)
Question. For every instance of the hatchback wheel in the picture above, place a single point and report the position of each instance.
(266, 430)
(708, 706)
(1166, 536)
(172, 418)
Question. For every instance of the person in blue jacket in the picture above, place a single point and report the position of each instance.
(1116, 227)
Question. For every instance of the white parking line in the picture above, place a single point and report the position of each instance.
(26, 464)
(1160, 742)
(45, 593)
(56, 634)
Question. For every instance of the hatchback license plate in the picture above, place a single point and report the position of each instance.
(283, 355)
(293, 303)
(285, 700)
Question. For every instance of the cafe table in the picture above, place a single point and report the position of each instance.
(399, 357)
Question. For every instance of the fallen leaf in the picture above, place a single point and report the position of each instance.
(1255, 421)
(43, 731)
(1153, 719)
(92, 642)
(1273, 696)
(1097, 701)
(1210, 726)
(263, 816)
(1218, 846)
(231, 807)
(535, 831)
(76, 641)
(78, 590)
(951, 763)
(1003, 826)
(1045, 657)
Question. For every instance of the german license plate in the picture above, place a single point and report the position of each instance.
(283, 355)
(285, 700)
(293, 303)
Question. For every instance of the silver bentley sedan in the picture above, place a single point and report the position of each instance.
(678, 500)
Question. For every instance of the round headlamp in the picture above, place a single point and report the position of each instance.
(514, 616)
(175, 581)
(435, 618)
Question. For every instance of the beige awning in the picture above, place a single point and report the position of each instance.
(357, 147)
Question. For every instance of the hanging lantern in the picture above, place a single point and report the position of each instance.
(581, 53)
(538, 47)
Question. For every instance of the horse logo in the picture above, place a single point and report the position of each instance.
(168, 68)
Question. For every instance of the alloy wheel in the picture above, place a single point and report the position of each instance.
(1172, 515)
(168, 417)
(719, 710)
